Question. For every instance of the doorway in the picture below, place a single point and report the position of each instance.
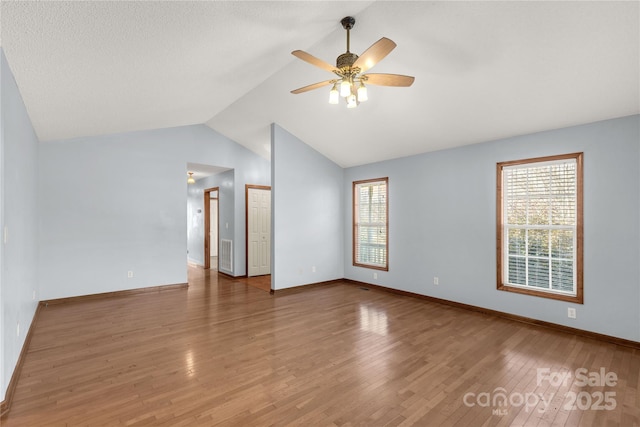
(258, 229)
(211, 228)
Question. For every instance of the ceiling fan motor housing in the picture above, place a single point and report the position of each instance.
(346, 60)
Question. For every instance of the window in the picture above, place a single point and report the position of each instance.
(371, 223)
(539, 227)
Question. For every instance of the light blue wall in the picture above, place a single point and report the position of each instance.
(4, 370)
(117, 203)
(226, 208)
(443, 223)
(307, 206)
(19, 210)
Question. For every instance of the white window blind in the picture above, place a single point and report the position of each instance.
(540, 219)
(370, 224)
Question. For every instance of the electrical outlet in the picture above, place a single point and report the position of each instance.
(129, 274)
(18, 329)
(571, 313)
(313, 269)
(436, 281)
(34, 295)
(375, 275)
(6, 234)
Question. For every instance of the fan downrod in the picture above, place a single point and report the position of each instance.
(346, 60)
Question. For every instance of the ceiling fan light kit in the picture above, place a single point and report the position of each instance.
(350, 69)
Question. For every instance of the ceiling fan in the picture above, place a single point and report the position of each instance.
(350, 69)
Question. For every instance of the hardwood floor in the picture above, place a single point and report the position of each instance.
(224, 353)
(260, 282)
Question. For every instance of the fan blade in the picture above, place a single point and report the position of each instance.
(313, 60)
(313, 86)
(374, 54)
(389, 80)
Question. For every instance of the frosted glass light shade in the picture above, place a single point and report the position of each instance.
(362, 93)
(345, 88)
(334, 95)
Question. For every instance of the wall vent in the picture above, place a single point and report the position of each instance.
(226, 255)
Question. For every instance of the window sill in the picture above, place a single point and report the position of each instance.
(577, 299)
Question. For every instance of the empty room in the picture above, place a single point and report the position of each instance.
(274, 213)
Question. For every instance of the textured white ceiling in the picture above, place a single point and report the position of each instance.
(98, 67)
(484, 70)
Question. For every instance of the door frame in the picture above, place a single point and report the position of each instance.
(246, 221)
(207, 225)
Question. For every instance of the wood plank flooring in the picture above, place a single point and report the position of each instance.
(225, 353)
(260, 282)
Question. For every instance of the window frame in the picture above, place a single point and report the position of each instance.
(502, 243)
(355, 224)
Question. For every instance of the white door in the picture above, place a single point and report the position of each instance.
(258, 231)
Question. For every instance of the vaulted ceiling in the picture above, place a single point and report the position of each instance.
(484, 70)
